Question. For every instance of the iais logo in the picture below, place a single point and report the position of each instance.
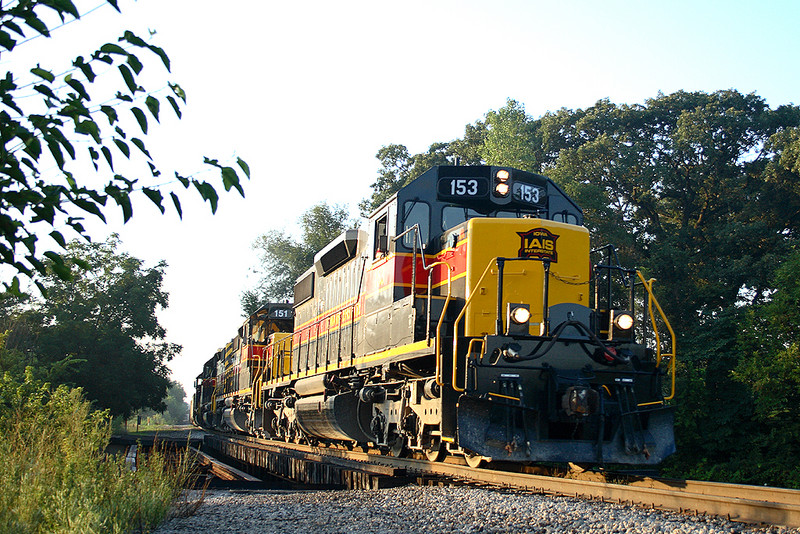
(538, 243)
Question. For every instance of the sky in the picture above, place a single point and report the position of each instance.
(308, 91)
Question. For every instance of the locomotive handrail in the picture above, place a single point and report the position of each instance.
(460, 315)
(429, 270)
(441, 318)
(648, 285)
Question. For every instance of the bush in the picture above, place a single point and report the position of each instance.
(56, 475)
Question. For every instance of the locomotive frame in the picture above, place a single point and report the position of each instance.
(458, 319)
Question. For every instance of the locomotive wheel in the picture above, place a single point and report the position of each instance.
(397, 448)
(475, 460)
(434, 451)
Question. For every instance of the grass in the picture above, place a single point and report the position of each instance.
(56, 477)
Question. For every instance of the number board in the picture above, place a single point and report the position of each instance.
(528, 194)
(281, 313)
(463, 188)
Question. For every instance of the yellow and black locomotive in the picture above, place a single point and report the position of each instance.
(468, 316)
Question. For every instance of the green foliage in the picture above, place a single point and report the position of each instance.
(510, 138)
(99, 330)
(56, 477)
(53, 128)
(283, 258)
(398, 168)
(176, 409)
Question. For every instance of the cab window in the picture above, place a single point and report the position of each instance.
(455, 215)
(381, 244)
(416, 213)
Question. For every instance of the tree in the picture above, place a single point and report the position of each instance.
(99, 330)
(91, 136)
(283, 258)
(511, 138)
(399, 168)
(176, 411)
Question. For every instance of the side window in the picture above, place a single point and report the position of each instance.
(381, 245)
(416, 213)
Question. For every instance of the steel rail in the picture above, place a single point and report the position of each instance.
(741, 503)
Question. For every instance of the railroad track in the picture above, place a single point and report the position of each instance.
(749, 504)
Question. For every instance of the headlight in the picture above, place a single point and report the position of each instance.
(521, 315)
(623, 321)
(501, 185)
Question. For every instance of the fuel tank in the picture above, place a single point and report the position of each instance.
(342, 417)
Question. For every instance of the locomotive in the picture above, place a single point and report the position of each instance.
(468, 316)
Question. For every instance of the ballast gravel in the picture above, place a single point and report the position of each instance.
(430, 509)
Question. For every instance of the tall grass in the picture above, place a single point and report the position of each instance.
(54, 473)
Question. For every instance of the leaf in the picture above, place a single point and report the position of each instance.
(128, 77)
(135, 64)
(174, 105)
(44, 74)
(58, 136)
(111, 48)
(153, 105)
(68, 6)
(140, 118)
(177, 204)
(58, 238)
(62, 271)
(140, 145)
(46, 91)
(114, 4)
(13, 26)
(6, 41)
(78, 86)
(163, 55)
(111, 113)
(123, 200)
(245, 167)
(107, 154)
(71, 180)
(155, 196)
(178, 91)
(181, 179)
(54, 257)
(133, 39)
(231, 179)
(123, 147)
(90, 207)
(208, 193)
(34, 22)
(38, 265)
(55, 150)
(86, 68)
(154, 170)
(95, 156)
(14, 287)
(33, 147)
(89, 128)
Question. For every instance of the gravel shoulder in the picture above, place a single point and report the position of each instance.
(415, 509)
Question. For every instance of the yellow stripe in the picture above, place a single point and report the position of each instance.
(405, 349)
(504, 396)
